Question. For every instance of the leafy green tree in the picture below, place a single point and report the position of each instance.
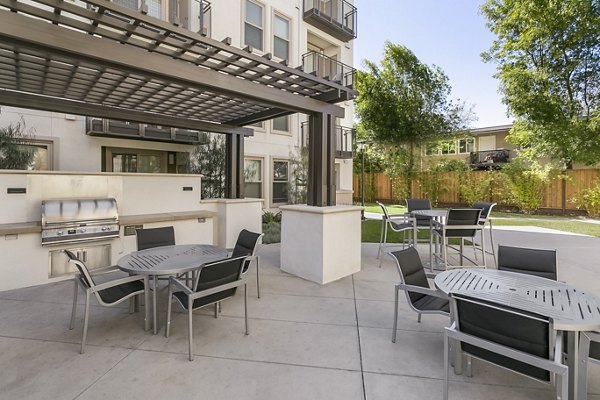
(548, 57)
(298, 185)
(404, 102)
(208, 159)
(14, 152)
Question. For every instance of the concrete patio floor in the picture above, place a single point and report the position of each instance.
(306, 341)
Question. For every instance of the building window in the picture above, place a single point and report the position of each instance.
(144, 161)
(259, 125)
(432, 149)
(154, 6)
(253, 26)
(448, 147)
(281, 38)
(280, 182)
(281, 124)
(32, 155)
(253, 177)
(466, 145)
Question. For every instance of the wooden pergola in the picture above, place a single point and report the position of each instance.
(97, 58)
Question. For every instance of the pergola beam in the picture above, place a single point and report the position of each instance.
(26, 100)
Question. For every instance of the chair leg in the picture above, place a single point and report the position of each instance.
(74, 310)
(86, 317)
(562, 387)
(154, 311)
(190, 333)
(395, 316)
(257, 282)
(446, 366)
(383, 224)
(382, 246)
(445, 251)
(246, 308)
(217, 310)
(169, 306)
(419, 318)
(469, 371)
(492, 244)
(462, 251)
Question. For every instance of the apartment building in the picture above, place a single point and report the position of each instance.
(315, 35)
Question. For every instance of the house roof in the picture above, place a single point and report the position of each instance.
(97, 58)
(490, 130)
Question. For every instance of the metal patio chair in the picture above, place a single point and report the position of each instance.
(148, 238)
(108, 294)
(484, 218)
(247, 245)
(506, 337)
(589, 350)
(419, 204)
(214, 283)
(413, 280)
(537, 262)
(397, 223)
(461, 223)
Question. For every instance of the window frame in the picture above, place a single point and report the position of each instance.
(278, 14)
(279, 131)
(273, 181)
(466, 140)
(261, 174)
(261, 28)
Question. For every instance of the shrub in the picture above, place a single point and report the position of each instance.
(270, 216)
(272, 232)
(525, 185)
(590, 200)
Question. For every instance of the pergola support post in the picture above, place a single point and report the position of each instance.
(234, 168)
(321, 160)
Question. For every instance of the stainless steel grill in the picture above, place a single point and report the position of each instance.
(79, 220)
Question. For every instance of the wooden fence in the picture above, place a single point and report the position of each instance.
(558, 193)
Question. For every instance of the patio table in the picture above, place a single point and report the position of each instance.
(169, 261)
(571, 310)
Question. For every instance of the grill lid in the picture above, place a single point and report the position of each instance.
(74, 212)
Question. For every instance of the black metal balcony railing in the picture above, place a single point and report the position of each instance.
(130, 130)
(336, 17)
(344, 140)
(326, 67)
(488, 158)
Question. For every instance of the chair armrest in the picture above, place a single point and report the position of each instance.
(104, 270)
(207, 292)
(430, 275)
(422, 290)
(180, 285)
(117, 282)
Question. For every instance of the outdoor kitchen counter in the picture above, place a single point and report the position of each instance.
(162, 217)
(36, 227)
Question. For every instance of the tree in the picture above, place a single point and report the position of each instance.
(14, 151)
(548, 56)
(404, 103)
(209, 160)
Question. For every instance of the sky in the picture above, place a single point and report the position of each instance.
(448, 33)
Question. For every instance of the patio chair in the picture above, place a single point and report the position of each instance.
(589, 350)
(214, 283)
(397, 223)
(413, 280)
(506, 337)
(528, 261)
(108, 294)
(155, 237)
(486, 210)
(461, 223)
(419, 204)
(247, 245)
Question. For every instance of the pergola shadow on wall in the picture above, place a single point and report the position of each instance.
(100, 59)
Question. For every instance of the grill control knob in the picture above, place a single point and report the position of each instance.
(59, 233)
(82, 230)
(105, 228)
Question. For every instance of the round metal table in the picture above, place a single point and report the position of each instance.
(571, 309)
(169, 260)
(434, 215)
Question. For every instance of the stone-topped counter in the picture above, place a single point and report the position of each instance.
(36, 227)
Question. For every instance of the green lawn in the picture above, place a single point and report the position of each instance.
(371, 229)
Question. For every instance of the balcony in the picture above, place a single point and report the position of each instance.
(129, 130)
(344, 140)
(328, 68)
(335, 17)
(489, 159)
(180, 12)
